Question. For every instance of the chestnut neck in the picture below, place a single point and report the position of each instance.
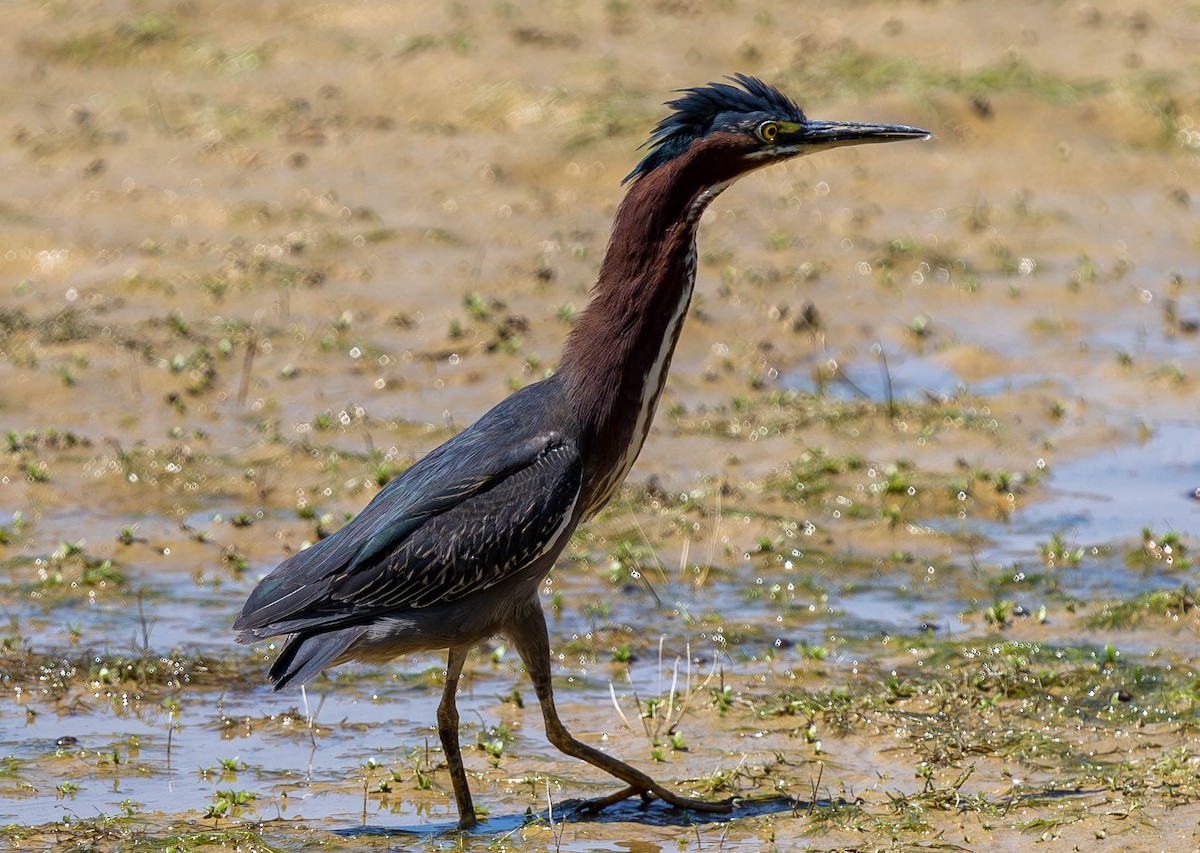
(616, 357)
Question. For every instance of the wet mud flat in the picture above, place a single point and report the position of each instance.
(905, 564)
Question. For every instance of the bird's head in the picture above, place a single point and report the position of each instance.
(748, 124)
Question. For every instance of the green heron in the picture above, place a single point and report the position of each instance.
(454, 550)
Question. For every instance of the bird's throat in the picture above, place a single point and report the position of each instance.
(643, 389)
(617, 356)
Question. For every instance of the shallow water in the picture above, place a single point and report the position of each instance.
(303, 776)
(255, 266)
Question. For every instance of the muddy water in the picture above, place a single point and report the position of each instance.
(254, 261)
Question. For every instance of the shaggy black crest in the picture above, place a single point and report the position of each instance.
(704, 109)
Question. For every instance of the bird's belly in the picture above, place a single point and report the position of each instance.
(459, 624)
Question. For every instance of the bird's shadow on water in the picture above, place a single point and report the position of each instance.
(629, 811)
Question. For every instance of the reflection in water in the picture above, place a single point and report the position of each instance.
(638, 846)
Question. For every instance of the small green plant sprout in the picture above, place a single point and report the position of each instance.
(1085, 272)
(626, 560)
(494, 748)
(897, 481)
(227, 802)
(1172, 373)
(722, 697)
(127, 535)
(676, 742)
(622, 654)
(1168, 548)
(813, 651)
(393, 777)
(1111, 654)
(232, 765)
(234, 560)
(1056, 552)
(596, 612)
(651, 708)
(492, 740)
(480, 308)
(36, 472)
(70, 567)
(920, 326)
(178, 325)
(66, 789)
(9, 532)
(810, 737)
(998, 614)
(1004, 481)
(422, 780)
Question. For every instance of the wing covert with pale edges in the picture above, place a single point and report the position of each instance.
(471, 514)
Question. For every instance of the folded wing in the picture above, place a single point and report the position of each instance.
(464, 519)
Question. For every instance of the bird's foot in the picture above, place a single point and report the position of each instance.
(591, 807)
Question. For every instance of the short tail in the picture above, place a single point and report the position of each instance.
(305, 655)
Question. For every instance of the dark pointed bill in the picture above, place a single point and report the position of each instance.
(831, 134)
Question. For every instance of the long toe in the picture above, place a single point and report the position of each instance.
(599, 804)
(717, 807)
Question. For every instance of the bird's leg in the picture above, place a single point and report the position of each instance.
(447, 717)
(528, 634)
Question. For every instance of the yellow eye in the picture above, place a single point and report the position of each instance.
(767, 131)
